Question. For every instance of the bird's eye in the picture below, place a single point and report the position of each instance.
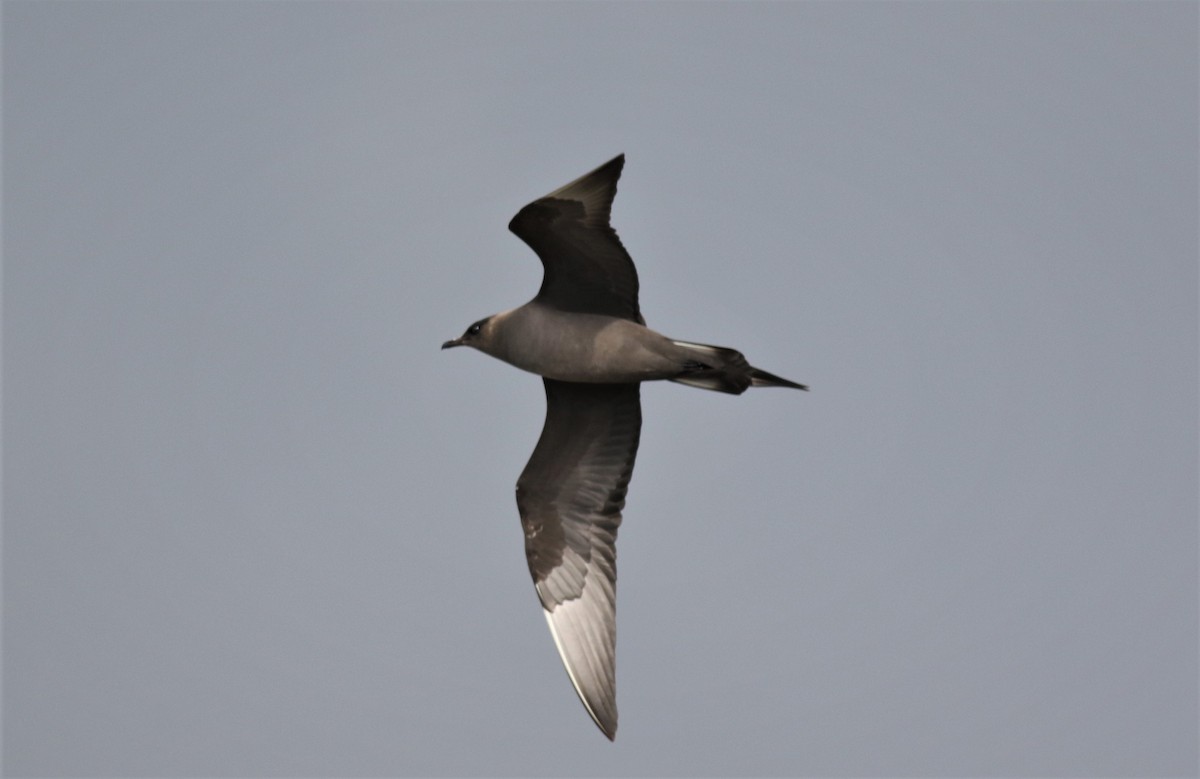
(475, 328)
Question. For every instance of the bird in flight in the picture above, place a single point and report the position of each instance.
(584, 334)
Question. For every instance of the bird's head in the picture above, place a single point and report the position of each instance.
(478, 335)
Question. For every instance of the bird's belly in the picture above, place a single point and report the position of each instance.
(589, 366)
(619, 352)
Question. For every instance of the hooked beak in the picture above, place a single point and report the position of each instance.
(452, 343)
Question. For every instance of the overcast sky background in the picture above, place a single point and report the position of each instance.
(257, 524)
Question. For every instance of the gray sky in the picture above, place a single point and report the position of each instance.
(257, 524)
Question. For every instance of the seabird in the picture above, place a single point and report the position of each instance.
(584, 334)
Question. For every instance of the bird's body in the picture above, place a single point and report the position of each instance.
(585, 335)
(594, 348)
(587, 348)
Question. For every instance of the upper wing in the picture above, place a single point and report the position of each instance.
(587, 270)
(570, 497)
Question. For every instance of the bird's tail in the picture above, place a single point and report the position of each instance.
(725, 370)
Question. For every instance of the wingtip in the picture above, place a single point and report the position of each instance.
(613, 167)
(607, 727)
(604, 717)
